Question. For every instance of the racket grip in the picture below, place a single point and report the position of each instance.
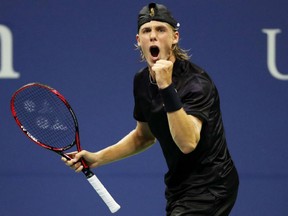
(104, 194)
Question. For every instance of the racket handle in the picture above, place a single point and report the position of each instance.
(104, 194)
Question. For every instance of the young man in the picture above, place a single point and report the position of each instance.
(176, 103)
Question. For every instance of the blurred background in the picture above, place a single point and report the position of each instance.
(85, 49)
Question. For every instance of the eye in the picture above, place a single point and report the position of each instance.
(146, 30)
(161, 29)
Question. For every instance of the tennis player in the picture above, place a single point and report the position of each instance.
(177, 104)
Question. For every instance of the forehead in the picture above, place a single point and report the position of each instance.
(154, 23)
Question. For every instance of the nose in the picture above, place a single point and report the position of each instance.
(152, 35)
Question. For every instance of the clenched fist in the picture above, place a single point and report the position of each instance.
(162, 71)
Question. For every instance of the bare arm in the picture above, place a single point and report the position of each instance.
(185, 129)
(136, 141)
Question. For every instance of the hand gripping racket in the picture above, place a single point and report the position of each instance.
(45, 116)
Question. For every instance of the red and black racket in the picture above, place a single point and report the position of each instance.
(46, 117)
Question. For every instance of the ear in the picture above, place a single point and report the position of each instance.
(175, 37)
(138, 39)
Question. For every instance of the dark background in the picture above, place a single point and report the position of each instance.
(85, 49)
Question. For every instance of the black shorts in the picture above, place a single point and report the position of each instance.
(205, 204)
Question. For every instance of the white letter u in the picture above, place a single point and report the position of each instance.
(271, 53)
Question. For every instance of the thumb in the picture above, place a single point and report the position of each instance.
(79, 155)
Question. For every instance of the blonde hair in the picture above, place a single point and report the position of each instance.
(178, 52)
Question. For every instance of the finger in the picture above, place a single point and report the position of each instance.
(162, 61)
(79, 169)
(70, 163)
(71, 154)
(79, 155)
(63, 159)
(75, 165)
(71, 158)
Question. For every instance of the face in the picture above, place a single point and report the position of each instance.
(155, 40)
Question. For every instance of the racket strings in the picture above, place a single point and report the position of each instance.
(45, 116)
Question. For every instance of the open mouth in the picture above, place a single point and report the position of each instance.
(154, 50)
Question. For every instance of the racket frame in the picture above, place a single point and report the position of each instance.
(91, 177)
(34, 139)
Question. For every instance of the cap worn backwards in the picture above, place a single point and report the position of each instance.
(156, 12)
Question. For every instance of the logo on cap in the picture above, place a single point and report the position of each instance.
(152, 12)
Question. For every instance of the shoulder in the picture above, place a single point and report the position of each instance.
(187, 65)
(141, 80)
(142, 73)
(191, 77)
(190, 69)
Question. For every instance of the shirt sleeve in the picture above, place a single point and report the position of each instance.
(137, 114)
(138, 107)
(198, 97)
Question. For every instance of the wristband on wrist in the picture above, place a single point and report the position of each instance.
(171, 99)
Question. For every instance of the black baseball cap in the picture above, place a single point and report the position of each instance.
(156, 12)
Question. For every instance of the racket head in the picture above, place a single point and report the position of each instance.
(46, 117)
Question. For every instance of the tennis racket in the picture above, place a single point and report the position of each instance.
(45, 116)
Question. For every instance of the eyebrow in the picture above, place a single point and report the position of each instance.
(156, 26)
